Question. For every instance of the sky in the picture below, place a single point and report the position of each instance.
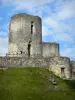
(58, 22)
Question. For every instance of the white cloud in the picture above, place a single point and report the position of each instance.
(67, 11)
(3, 46)
(3, 34)
(51, 22)
(58, 30)
(46, 31)
(1, 18)
(42, 10)
(3, 43)
(5, 27)
(26, 4)
(68, 52)
(63, 37)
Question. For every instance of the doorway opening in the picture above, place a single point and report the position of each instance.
(63, 72)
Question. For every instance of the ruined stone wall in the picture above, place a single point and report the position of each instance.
(23, 62)
(53, 64)
(72, 64)
(59, 64)
(50, 49)
(25, 30)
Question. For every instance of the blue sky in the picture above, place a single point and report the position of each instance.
(58, 22)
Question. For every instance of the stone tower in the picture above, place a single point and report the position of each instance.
(25, 36)
(50, 49)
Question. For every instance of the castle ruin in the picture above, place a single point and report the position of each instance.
(26, 49)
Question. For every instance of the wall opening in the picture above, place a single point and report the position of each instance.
(63, 72)
(73, 73)
(71, 70)
(21, 52)
(29, 47)
(32, 27)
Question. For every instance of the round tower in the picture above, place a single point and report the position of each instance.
(25, 36)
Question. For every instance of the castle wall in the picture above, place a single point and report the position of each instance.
(60, 66)
(50, 49)
(54, 64)
(25, 30)
(72, 64)
(7, 62)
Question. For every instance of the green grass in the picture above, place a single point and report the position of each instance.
(32, 84)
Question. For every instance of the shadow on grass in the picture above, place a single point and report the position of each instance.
(70, 83)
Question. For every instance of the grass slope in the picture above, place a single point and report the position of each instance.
(32, 84)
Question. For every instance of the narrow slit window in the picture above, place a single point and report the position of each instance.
(31, 27)
(21, 52)
(29, 46)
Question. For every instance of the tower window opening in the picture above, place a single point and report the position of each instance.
(21, 52)
(29, 46)
(31, 27)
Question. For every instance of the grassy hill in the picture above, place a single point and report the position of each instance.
(33, 84)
